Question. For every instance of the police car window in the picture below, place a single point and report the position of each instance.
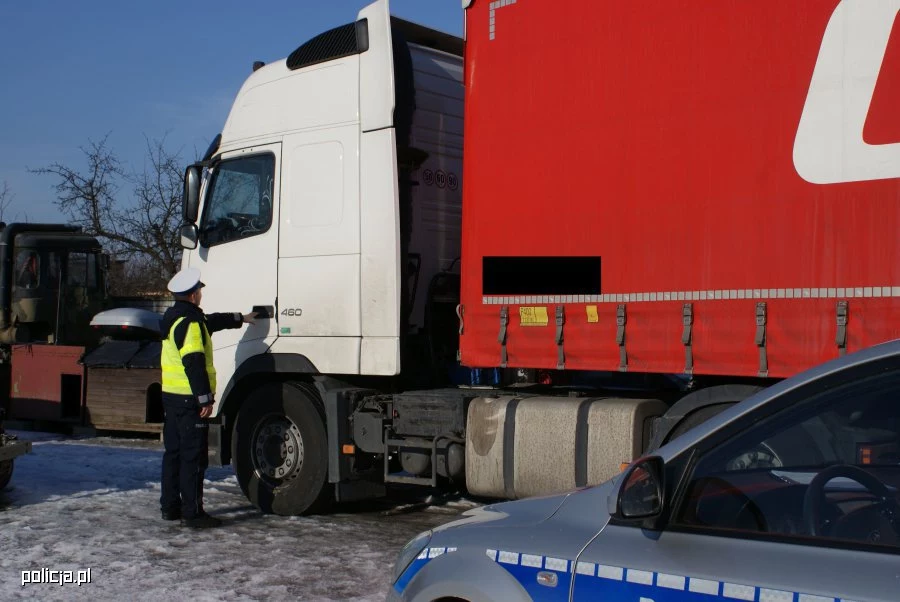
(827, 468)
(239, 202)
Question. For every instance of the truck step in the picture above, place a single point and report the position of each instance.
(397, 444)
(395, 478)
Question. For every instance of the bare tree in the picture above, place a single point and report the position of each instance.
(138, 224)
(157, 192)
(6, 198)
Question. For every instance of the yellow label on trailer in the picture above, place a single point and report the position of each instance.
(533, 316)
(592, 314)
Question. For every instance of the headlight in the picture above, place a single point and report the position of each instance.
(409, 553)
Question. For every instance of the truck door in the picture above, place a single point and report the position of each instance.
(319, 264)
(238, 252)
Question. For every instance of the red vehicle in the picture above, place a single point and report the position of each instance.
(52, 280)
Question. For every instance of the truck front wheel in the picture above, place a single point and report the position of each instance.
(6, 471)
(279, 450)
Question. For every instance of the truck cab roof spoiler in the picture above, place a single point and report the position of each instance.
(430, 38)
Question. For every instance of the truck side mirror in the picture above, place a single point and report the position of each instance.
(104, 262)
(189, 235)
(640, 494)
(191, 200)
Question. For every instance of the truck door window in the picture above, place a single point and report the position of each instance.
(824, 470)
(239, 201)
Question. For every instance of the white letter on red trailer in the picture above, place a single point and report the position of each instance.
(829, 147)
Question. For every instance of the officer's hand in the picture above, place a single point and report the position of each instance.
(206, 411)
(249, 318)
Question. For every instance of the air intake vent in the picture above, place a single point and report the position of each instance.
(339, 42)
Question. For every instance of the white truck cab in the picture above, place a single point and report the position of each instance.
(306, 210)
(301, 208)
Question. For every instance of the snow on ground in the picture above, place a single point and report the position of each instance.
(75, 504)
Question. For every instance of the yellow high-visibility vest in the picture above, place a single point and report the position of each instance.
(196, 339)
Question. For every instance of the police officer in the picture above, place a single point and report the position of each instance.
(188, 390)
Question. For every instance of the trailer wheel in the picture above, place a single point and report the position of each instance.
(6, 471)
(279, 450)
(696, 408)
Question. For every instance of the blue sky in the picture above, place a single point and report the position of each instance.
(76, 71)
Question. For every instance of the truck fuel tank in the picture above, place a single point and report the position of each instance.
(518, 446)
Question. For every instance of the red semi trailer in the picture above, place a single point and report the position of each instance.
(690, 169)
(659, 202)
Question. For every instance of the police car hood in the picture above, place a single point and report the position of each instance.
(553, 524)
(520, 513)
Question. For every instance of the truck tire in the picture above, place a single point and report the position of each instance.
(6, 471)
(279, 450)
(696, 408)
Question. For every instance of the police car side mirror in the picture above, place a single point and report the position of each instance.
(640, 494)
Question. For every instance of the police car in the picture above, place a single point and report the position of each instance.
(789, 496)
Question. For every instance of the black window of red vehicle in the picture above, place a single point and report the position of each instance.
(28, 269)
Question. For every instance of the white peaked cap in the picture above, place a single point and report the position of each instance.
(185, 281)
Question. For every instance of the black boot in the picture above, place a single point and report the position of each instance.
(171, 514)
(201, 521)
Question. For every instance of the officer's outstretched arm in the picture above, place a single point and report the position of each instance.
(222, 321)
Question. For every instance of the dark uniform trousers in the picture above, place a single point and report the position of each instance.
(186, 440)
